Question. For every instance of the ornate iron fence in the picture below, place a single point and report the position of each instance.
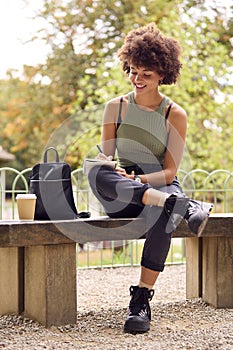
(215, 186)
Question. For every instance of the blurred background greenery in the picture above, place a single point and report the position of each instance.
(60, 102)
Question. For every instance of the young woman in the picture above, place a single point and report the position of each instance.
(147, 130)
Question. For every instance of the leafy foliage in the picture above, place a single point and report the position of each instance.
(61, 102)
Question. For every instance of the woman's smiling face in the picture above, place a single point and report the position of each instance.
(143, 79)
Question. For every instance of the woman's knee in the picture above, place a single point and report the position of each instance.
(98, 174)
(92, 176)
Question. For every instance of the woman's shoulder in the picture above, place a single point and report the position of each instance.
(112, 108)
(113, 105)
(118, 99)
(177, 115)
(178, 111)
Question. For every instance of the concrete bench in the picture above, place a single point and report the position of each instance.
(38, 263)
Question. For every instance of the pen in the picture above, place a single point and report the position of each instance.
(100, 149)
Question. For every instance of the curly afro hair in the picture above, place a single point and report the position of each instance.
(147, 47)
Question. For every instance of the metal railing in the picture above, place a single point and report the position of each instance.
(215, 187)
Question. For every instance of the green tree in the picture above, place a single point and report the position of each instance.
(84, 58)
(205, 89)
(62, 100)
(28, 117)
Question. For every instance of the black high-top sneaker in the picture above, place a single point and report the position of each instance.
(176, 206)
(197, 215)
(139, 313)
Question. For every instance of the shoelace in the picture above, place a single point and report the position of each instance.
(140, 302)
(191, 209)
(151, 294)
(136, 308)
(148, 294)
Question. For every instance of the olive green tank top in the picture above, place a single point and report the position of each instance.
(142, 135)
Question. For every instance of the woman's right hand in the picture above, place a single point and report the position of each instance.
(102, 156)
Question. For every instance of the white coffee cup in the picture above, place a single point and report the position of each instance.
(26, 204)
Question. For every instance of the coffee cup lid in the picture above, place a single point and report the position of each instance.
(26, 196)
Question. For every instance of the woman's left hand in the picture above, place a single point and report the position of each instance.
(121, 171)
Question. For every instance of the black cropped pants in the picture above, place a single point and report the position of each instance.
(122, 197)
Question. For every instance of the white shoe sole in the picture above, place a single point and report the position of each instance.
(207, 208)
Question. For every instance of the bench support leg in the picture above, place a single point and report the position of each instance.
(193, 267)
(11, 277)
(50, 284)
(218, 271)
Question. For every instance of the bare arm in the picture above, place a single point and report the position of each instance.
(109, 127)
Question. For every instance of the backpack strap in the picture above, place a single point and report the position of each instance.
(119, 119)
(168, 110)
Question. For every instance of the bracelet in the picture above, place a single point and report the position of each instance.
(137, 178)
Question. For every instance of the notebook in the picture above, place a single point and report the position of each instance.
(89, 163)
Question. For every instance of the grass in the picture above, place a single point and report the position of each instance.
(124, 255)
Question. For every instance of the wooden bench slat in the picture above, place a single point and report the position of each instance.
(22, 233)
(209, 267)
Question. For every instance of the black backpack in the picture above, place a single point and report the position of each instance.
(51, 182)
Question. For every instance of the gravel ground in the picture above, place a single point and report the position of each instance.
(103, 298)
